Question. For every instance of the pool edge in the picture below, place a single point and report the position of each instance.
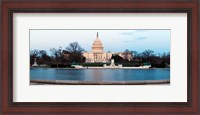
(71, 82)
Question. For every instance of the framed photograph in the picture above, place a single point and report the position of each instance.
(75, 64)
(100, 57)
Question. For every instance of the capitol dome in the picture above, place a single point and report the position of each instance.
(97, 44)
(97, 55)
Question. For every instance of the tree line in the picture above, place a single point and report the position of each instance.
(72, 54)
(59, 57)
(147, 57)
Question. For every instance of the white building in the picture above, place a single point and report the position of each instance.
(98, 55)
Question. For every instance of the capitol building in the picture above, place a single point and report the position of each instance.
(98, 55)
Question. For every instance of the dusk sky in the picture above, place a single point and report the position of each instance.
(113, 40)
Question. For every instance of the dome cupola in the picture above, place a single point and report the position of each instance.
(97, 44)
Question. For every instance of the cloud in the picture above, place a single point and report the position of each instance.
(141, 38)
(126, 41)
(127, 33)
(133, 32)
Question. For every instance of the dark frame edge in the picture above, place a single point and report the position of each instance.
(86, 104)
(189, 59)
(10, 56)
(96, 113)
(198, 113)
(1, 112)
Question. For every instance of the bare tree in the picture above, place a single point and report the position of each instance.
(56, 53)
(44, 56)
(33, 54)
(128, 55)
(147, 55)
(74, 48)
(75, 51)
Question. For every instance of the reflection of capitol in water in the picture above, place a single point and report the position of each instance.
(98, 55)
(97, 75)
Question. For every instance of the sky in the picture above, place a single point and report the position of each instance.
(113, 40)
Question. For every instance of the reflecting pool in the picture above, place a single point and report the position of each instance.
(100, 74)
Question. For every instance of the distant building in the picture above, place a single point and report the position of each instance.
(98, 55)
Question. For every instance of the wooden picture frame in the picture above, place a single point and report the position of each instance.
(190, 7)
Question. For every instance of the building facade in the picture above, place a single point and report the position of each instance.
(98, 55)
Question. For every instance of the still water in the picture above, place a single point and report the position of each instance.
(99, 74)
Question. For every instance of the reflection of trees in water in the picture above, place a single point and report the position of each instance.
(71, 74)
